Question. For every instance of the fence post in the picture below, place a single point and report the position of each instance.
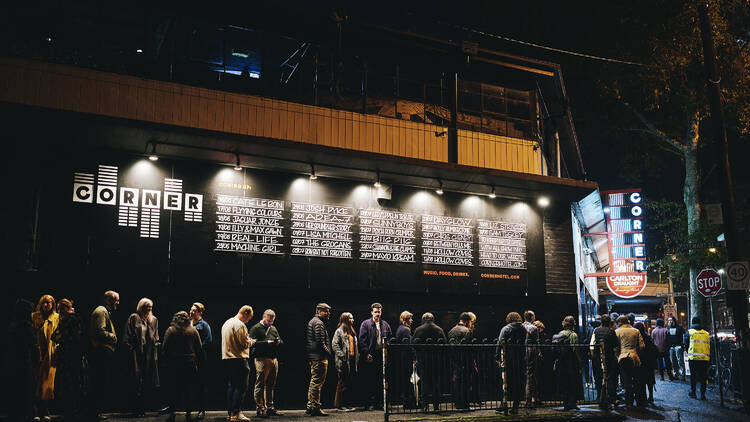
(605, 388)
(385, 383)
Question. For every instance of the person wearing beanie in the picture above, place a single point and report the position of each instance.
(698, 344)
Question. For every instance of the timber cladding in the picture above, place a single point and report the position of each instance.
(559, 258)
(89, 91)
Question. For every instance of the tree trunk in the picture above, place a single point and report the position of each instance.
(692, 205)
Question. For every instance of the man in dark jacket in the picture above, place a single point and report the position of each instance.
(428, 360)
(373, 333)
(265, 352)
(460, 361)
(605, 365)
(318, 349)
(660, 334)
(676, 352)
(510, 354)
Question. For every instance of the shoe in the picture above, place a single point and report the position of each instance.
(241, 417)
(349, 409)
(232, 418)
(100, 417)
(165, 410)
(317, 412)
(571, 408)
(261, 414)
(273, 412)
(692, 394)
(201, 415)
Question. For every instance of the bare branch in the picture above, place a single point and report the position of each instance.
(652, 130)
(669, 147)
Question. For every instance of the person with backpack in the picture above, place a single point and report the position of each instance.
(568, 363)
(605, 363)
(631, 345)
(510, 356)
(698, 344)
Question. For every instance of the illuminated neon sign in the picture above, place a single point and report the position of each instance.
(625, 238)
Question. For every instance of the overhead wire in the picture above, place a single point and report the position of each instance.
(544, 47)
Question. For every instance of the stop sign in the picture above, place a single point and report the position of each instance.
(708, 282)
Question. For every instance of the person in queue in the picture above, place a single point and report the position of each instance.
(631, 344)
(648, 357)
(235, 352)
(373, 333)
(204, 332)
(69, 377)
(346, 359)
(266, 359)
(318, 348)
(182, 348)
(698, 345)
(510, 356)
(141, 337)
(568, 364)
(532, 356)
(676, 351)
(44, 321)
(606, 386)
(428, 364)
(408, 361)
(460, 333)
(101, 354)
(660, 335)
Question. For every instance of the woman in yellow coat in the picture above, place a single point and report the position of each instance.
(45, 321)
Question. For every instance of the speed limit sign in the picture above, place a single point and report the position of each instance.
(738, 275)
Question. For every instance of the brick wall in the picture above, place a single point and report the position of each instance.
(559, 259)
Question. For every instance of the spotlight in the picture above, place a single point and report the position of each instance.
(492, 194)
(313, 176)
(139, 50)
(606, 210)
(153, 156)
(439, 190)
(543, 201)
(712, 250)
(237, 165)
(721, 271)
(377, 181)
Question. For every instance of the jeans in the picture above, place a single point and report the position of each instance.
(266, 371)
(318, 371)
(678, 362)
(100, 378)
(237, 372)
(664, 362)
(698, 373)
(632, 382)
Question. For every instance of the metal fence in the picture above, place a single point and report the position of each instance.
(433, 377)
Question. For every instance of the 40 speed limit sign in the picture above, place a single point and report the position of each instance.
(738, 275)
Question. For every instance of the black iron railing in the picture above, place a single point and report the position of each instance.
(434, 377)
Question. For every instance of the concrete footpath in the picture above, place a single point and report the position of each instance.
(671, 403)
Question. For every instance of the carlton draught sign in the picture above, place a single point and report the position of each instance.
(627, 248)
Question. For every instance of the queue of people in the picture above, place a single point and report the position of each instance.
(624, 353)
(51, 359)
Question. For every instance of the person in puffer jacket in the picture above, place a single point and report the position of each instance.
(318, 348)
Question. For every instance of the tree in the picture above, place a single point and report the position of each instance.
(666, 99)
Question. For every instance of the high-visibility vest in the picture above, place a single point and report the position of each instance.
(700, 348)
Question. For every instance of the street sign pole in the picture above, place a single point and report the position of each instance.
(718, 351)
(736, 299)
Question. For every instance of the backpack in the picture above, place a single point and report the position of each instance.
(561, 348)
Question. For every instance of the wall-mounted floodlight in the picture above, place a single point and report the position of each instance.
(492, 194)
(152, 156)
(543, 201)
(377, 180)
(313, 176)
(439, 190)
(237, 165)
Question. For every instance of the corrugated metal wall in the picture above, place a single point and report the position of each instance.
(89, 91)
